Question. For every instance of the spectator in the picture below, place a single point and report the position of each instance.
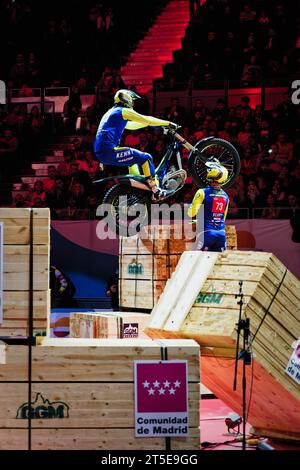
(18, 70)
(247, 14)
(89, 164)
(285, 148)
(252, 72)
(64, 167)
(38, 191)
(36, 122)
(78, 194)
(175, 112)
(271, 211)
(38, 202)
(72, 212)
(71, 110)
(50, 180)
(57, 196)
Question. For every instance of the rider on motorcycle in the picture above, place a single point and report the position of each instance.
(215, 202)
(122, 116)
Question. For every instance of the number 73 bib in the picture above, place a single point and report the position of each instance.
(219, 205)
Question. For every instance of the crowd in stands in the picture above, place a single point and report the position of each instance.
(249, 43)
(268, 143)
(62, 42)
(241, 41)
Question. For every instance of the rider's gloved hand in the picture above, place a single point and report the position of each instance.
(173, 126)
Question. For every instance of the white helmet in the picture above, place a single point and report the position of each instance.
(125, 98)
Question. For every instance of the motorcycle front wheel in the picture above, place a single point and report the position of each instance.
(220, 150)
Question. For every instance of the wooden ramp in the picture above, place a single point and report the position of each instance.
(209, 312)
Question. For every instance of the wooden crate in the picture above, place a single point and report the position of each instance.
(86, 387)
(16, 268)
(147, 261)
(108, 325)
(203, 307)
(17, 228)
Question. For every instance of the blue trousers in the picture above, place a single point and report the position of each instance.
(126, 156)
(212, 240)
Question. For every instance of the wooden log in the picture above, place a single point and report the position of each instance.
(17, 229)
(108, 325)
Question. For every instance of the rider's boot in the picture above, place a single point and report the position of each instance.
(158, 193)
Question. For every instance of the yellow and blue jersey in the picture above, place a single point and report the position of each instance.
(109, 134)
(215, 202)
(118, 118)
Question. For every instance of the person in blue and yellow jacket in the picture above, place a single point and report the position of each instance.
(215, 207)
(122, 116)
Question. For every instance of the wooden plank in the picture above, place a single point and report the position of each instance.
(173, 289)
(112, 439)
(211, 327)
(140, 294)
(71, 359)
(13, 439)
(283, 308)
(20, 281)
(16, 226)
(23, 213)
(190, 291)
(15, 305)
(16, 259)
(88, 405)
(276, 434)
(107, 324)
(247, 258)
(16, 366)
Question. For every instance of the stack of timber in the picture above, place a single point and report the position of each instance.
(108, 325)
(147, 260)
(16, 270)
(199, 302)
(83, 394)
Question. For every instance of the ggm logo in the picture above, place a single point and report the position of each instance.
(295, 97)
(42, 408)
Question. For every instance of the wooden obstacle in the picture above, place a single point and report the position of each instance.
(148, 260)
(83, 394)
(199, 302)
(108, 325)
(16, 269)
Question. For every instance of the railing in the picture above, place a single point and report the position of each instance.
(267, 93)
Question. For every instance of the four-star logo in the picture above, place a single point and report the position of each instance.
(162, 388)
